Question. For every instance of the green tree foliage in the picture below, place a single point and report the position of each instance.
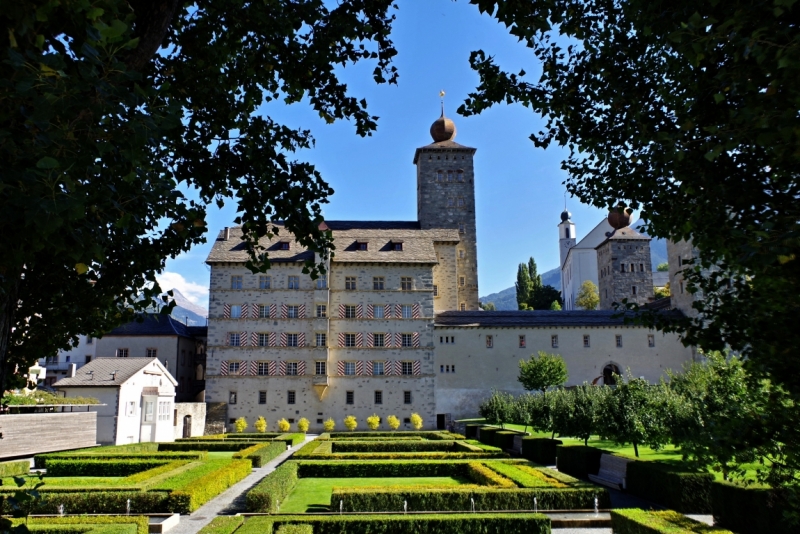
(545, 296)
(524, 287)
(114, 109)
(488, 306)
(588, 296)
(240, 424)
(584, 416)
(531, 293)
(555, 306)
(543, 371)
(497, 409)
(662, 267)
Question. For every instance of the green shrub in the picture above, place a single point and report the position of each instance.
(480, 474)
(140, 523)
(225, 445)
(636, 521)
(296, 528)
(482, 446)
(504, 439)
(414, 455)
(486, 434)
(190, 497)
(471, 431)
(527, 476)
(262, 453)
(223, 524)
(425, 434)
(523, 523)
(267, 495)
(540, 450)
(292, 439)
(131, 447)
(40, 460)
(685, 492)
(749, 510)
(579, 460)
(153, 476)
(308, 449)
(392, 446)
(98, 501)
(335, 469)
(463, 446)
(16, 468)
(456, 499)
(90, 467)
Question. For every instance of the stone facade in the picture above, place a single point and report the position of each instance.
(624, 269)
(678, 255)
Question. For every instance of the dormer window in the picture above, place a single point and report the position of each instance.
(396, 245)
(283, 245)
(361, 245)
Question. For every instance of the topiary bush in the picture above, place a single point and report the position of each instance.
(329, 425)
(350, 423)
(373, 422)
(393, 422)
(260, 425)
(416, 421)
(486, 434)
(240, 424)
(579, 460)
(302, 425)
(540, 450)
(283, 425)
(679, 490)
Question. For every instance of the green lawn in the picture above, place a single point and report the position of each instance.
(314, 494)
(216, 455)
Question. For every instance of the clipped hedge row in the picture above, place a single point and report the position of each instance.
(62, 524)
(224, 524)
(486, 434)
(749, 510)
(190, 497)
(227, 445)
(40, 460)
(295, 528)
(86, 467)
(637, 521)
(153, 476)
(412, 455)
(471, 431)
(540, 450)
(455, 499)
(334, 469)
(292, 439)
(526, 523)
(13, 469)
(526, 476)
(150, 446)
(480, 474)
(505, 439)
(429, 434)
(267, 495)
(463, 446)
(95, 502)
(579, 460)
(685, 492)
(261, 453)
(392, 446)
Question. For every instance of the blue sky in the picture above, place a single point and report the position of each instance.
(519, 191)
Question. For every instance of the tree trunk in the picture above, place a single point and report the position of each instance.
(8, 308)
(636, 449)
(153, 19)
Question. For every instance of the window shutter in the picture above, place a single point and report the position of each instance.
(284, 311)
(359, 339)
(398, 339)
(223, 368)
(253, 339)
(273, 339)
(254, 311)
(226, 311)
(415, 312)
(387, 311)
(301, 340)
(340, 368)
(342, 312)
(370, 311)
(301, 311)
(301, 368)
(359, 312)
(242, 339)
(417, 366)
(273, 311)
(281, 368)
(341, 339)
(369, 367)
(415, 338)
(370, 339)
(387, 339)
(245, 311)
(398, 367)
(253, 368)
(283, 339)
(388, 367)
(273, 367)
(398, 311)
(359, 367)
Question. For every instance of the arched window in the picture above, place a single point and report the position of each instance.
(440, 176)
(460, 175)
(449, 176)
(566, 232)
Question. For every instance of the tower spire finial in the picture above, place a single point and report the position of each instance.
(441, 96)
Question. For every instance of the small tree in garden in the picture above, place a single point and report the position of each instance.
(283, 425)
(329, 425)
(497, 409)
(350, 422)
(521, 414)
(542, 372)
(260, 424)
(373, 422)
(302, 425)
(562, 405)
(416, 421)
(585, 409)
(393, 422)
(240, 424)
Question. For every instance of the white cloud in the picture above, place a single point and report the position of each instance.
(196, 293)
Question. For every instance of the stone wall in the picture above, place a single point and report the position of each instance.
(216, 418)
(616, 284)
(29, 434)
(196, 411)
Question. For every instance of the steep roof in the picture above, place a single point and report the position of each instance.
(156, 324)
(625, 234)
(380, 236)
(543, 318)
(98, 372)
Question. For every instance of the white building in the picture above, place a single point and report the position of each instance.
(578, 259)
(66, 362)
(139, 394)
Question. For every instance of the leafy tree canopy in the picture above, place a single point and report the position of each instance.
(543, 371)
(588, 296)
(112, 109)
(662, 267)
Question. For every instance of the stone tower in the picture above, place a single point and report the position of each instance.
(624, 270)
(566, 235)
(446, 199)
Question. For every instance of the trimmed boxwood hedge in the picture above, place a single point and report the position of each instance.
(471, 431)
(267, 495)
(669, 486)
(97, 501)
(429, 434)
(224, 524)
(456, 499)
(334, 469)
(262, 453)
(194, 494)
(579, 460)
(227, 445)
(486, 434)
(16, 468)
(402, 455)
(540, 450)
(91, 467)
(392, 446)
(749, 510)
(636, 521)
(63, 524)
(40, 460)
(295, 528)
(505, 439)
(525, 523)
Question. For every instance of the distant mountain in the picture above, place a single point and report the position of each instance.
(188, 312)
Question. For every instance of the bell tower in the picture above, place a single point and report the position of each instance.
(566, 235)
(446, 199)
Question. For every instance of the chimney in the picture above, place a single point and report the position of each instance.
(226, 234)
(71, 369)
(114, 376)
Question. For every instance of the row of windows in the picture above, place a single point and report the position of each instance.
(651, 341)
(634, 291)
(270, 339)
(124, 353)
(449, 176)
(392, 245)
(291, 398)
(447, 368)
(350, 282)
(297, 311)
(350, 368)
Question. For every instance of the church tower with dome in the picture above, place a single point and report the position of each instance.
(446, 199)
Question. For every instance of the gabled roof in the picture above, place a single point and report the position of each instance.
(98, 372)
(543, 318)
(380, 236)
(156, 324)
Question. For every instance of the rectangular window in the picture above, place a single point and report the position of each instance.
(294, 282)
(378, 312)
(236, 282)
(522, 342)
(350, 368)
(263, 340)
(641, 267)
(232, 397)
(633, 290)
(236, 311)
(379, 397)
(291, 340)
(89, 340)
(349, 397)
(378, 283)
(262, 397)
(234, 339)
(489, 342)
(406, 397)
(321, 339)
(350, 311)
(377, 368)
(322, 282)
(263, 312)
(233, 367)
(122, 353)
(408, 311)
(435, 290)
(462, 281)
(452, 368)
(406, 368)
(149, 406)
(264, 282)
(349, 340)
(460, 202)
(320, 368)
(463, 306)
(441, 368)
(283, 245)
(263, 369)
(350, 283)
(291, 369)
(451, 202)
(322, 310)
(462, 228)
(293, 312)
(406, 283)
(290, 397)
(619, 341)
(152, 353)
(398, 246)
(363, 245)
(462, 254)
(406, 340)
(651, 340)
(378, 340)
(586, 341)
(554, 342)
